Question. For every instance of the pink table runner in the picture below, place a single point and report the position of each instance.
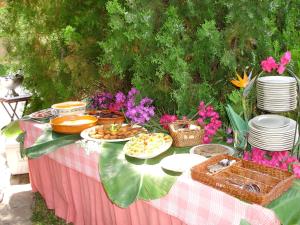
(189, 201)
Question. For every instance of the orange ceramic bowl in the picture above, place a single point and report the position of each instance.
(72, 124)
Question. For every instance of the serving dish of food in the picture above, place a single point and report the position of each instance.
(146, 146)
(72, 124)
(210, 150)
(41, 115)
(112, 132)
(69, 108)
(108, 117)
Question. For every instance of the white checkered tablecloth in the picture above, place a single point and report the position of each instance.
(192, 202)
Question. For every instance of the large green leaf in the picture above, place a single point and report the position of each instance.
(244, 222)
(287, 206)
(48, 142)
(12, 130)
(126, 179)
(239, 126)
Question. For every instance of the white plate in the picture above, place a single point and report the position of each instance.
(277, 96)
(271, 149)
(272, 132)
(34, 115)
(284, 107)
(275, 100)
(271, 142)
(290, 127)
(181, 162)
(159, 151)
(276, 110)
(277, 86)
(85, 135)
(277, 105)
(273, 89)
(282, 145)
(269, 135)
(280, 138)
(277, 80)
(230, 151)
(271, 139)
(270, 121)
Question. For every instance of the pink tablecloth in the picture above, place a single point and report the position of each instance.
(69, 181)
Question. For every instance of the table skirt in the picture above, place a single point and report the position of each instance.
(82, 200)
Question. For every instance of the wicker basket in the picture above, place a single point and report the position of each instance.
(182, 136)
(271, 181)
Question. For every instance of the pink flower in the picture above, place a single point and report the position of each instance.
(269, 64)
(280, 159)
(210, 132)
(206, 139)
(280, 69)
(201, 106)
(229, 140)
(166, 119)
(200, 121)
(286, 58)
(202, 113)
(228, 130)
(247, 156)
(296, 170)
(209, 119)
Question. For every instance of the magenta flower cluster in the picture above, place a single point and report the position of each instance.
(280, 159)
(101, 100)
(166, 119)
(208, 118)
(137, 113)
(269, 64)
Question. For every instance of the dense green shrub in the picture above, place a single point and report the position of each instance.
(177, 52)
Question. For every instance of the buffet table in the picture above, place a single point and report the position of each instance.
(68, 179)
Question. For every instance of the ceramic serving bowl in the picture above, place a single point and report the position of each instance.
(69, 108)
(108, 117)
(72, 124)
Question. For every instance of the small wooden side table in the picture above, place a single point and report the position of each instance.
(11, 110)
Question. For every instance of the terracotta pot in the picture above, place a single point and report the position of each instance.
(120, 118)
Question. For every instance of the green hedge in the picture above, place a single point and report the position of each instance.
(177, 52)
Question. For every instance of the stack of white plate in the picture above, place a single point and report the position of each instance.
(272, 132)
(276, 93)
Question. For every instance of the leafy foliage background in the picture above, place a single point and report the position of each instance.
(177, 52)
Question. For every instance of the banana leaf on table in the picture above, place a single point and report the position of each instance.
(287, 206)
(48, 142)
(126, 179)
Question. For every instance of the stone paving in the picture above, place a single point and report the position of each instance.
(16, 207)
